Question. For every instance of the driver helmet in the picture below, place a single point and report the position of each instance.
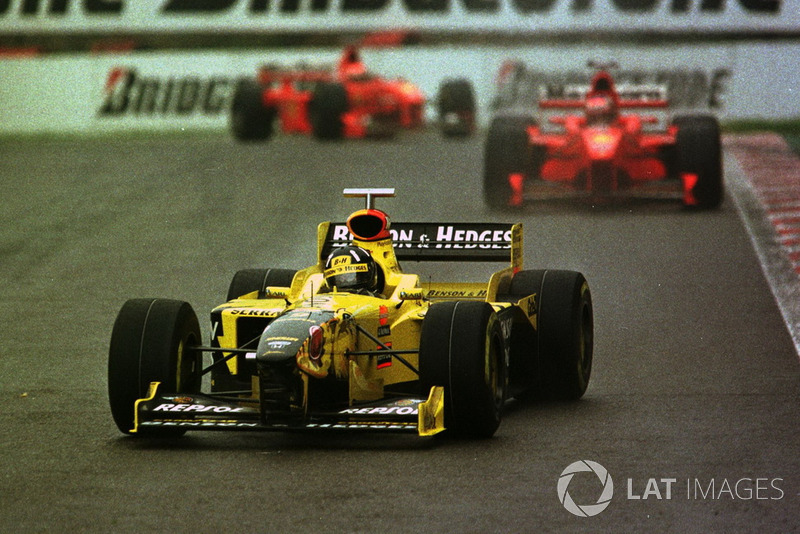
(600, 109)
(351, 268)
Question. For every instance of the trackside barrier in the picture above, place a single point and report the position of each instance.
(160, 91)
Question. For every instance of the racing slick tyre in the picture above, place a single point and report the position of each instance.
(461, 349)
(152, 341)
(456, 106)
(566, 332)
(700, 154)
(250, 120)
(325, 111)
(506, 158)
(523, 360)
(249, 280)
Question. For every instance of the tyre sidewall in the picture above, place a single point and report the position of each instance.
(458, 339)
(566, 331)
(506, 152)
(699, 151)
(150, 343)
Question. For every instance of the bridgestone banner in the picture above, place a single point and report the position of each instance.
(505, 16)
(174, 91)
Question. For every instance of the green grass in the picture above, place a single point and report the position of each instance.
(784, 127)
(789, 129)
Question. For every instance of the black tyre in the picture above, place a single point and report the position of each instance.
(566, 335)
(250, 120)
(152, 341)
(456, 107)
(325, 111)
(249, 280)
(506, 153)
(523, 367)
(699, 152)
(462, 349)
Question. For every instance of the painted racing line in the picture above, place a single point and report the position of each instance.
(767, 195)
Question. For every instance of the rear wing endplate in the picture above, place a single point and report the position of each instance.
(480, 242)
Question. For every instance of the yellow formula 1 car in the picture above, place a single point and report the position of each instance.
(353, 342)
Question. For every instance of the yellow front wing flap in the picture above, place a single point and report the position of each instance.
(151, 394)
(431, 413)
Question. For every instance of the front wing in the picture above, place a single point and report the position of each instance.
(197, 411)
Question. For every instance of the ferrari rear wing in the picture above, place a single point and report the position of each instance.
(269, 74)
(480, 242)
(630, 96)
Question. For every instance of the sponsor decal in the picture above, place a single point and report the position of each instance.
(384, 361)
(180, 400)
(439, 293)
(506, 326)
(129, 93)
(254, 312)
(442, 236)
(377, 426)
(278, 344)
(200, 424)
(382, 410)
(216, 327)
(199, 408)
(346, 269)
(529, 305)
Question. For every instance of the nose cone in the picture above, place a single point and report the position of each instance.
(284, 337)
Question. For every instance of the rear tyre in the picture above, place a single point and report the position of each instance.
(700, 153)
(152, 341)
(250, 120)
(566, 335)
(523, 367)
(327, 105)
(462, 349)
(506, 152)
(456, 106)
(249, 280)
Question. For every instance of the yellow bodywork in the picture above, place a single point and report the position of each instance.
(394, 318)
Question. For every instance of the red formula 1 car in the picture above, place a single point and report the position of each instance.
(344, 102)
(602, 144)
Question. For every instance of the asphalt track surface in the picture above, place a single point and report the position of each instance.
(692, 406)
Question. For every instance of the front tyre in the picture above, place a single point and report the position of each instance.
(152, 341)
(699, 151)
(456, 108)
(462, 349)
(505, 161)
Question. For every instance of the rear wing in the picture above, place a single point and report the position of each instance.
(630, 96)
(480, 242)
(269, 74)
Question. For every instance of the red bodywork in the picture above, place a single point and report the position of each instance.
(373, 102)
(598, 144)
